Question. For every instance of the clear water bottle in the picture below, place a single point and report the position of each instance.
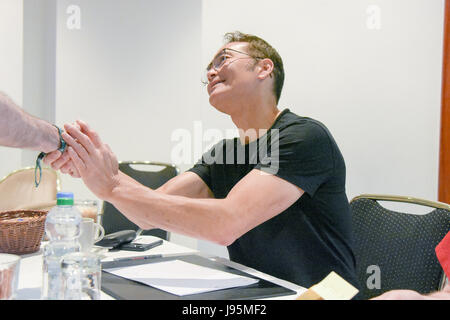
(62, 228)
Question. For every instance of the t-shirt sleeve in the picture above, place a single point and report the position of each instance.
(301, 154)
(203, 170)
(203, 167)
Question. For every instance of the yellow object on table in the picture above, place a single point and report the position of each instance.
(333, 287)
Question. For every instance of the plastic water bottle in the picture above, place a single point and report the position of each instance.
(62, 228)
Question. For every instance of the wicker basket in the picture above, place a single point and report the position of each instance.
(21, 231)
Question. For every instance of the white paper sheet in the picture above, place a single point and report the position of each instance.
(181, 278)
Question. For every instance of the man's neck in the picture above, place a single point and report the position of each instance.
(253, 121)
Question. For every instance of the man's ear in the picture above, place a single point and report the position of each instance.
(265, 68)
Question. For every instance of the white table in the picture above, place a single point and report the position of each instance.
(30, 275)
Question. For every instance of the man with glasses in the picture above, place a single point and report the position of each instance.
(275, 196)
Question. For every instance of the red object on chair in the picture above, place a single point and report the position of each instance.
(443, 254)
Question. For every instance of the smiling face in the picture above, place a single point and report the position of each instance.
(231, 78)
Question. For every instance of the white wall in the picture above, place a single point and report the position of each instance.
(39, 63)
(11, 53)
(133, 69)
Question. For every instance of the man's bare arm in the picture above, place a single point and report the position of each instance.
(187, 184)
(255, 199)
(20, 130)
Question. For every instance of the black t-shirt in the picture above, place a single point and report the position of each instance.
(311, 238)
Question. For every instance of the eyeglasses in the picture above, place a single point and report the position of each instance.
(221, 59)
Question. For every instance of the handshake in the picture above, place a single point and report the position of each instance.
(61, 160)
(86, 157)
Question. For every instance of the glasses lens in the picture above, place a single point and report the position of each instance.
(219, 61)
(215, 64)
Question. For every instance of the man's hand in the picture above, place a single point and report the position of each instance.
(94, 161)
(61, 162)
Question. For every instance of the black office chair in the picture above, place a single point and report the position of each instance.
(401, 245)
(113, 220)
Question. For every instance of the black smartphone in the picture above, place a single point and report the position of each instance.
(136, 246)
(114, 240)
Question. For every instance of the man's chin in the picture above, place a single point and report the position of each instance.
(217, 105)
(214, 101)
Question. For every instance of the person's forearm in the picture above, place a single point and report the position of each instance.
(207, 219)
(21, 130)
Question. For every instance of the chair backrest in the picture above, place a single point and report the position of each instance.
(398, 245)
(17, 190)
(113, 220)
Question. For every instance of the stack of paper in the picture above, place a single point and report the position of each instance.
(181, 278)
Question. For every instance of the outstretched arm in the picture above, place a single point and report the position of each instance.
(256, 198)
(21, 130)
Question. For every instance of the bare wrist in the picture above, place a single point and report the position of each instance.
(114, 189)
(50, 142)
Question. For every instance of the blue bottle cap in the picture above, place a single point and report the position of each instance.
(64, 195)
(64, 199)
